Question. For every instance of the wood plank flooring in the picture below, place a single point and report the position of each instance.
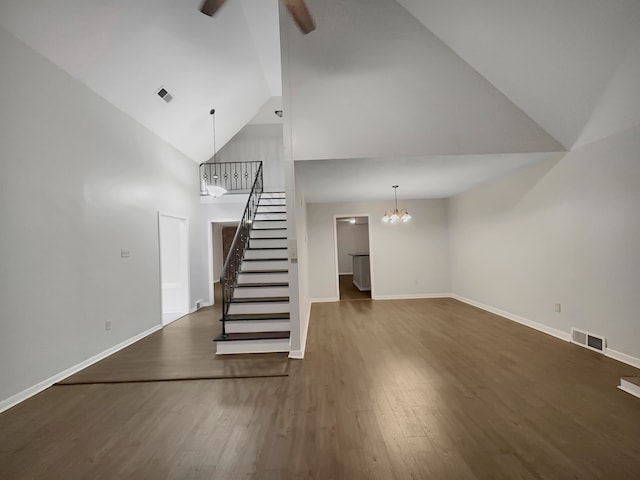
(348, 291)
(417, 389)
(182, 350)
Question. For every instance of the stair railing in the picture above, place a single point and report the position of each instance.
(236, 177)
(231, 269)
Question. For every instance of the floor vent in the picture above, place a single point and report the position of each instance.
(588, 340)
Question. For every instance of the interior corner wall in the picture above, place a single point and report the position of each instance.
(407, 260)
(259, 143)
(303, 263)
(79, 181)
(565, 231)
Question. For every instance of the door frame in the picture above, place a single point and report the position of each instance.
(335, 249)
(188, 261)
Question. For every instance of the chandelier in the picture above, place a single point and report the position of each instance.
(395, 215)
(207, 188)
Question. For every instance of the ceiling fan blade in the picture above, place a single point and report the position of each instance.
(301, 15)
(210, 7)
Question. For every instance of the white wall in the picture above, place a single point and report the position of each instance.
(302, 264)
(407, 260)
(373, 82)
(79, 181)
(351, 238)
(566, 231)
(258, 143)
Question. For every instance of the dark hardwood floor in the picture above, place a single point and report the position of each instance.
(416, 389)
(348, 291)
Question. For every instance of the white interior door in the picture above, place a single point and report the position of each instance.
(174, 266)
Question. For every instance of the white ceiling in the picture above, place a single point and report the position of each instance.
(372, 81)
(507, 77)
(552, 58)
(125, 50)
(266, 114)
(364, 179)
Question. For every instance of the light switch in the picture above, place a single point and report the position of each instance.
(293, 250)
(125, 253)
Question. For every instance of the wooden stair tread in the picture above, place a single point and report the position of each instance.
(260, 285)
(252, 336)
(634, 380)
(264, 259)
(237, 317)
(267, 248)
(269, 238)
(243, 272)
(267, 229)
(260, 300)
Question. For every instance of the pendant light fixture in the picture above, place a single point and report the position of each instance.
(395, 215)
(214, 190)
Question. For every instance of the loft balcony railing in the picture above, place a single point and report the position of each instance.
(231, 269)
(234, 177)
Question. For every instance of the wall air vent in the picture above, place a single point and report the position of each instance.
(164, 94)
(588, 340)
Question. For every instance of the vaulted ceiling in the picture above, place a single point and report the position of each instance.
(126, 50)
(495, 82)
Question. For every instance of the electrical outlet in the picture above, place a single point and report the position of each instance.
(558, 307)
(107, 325)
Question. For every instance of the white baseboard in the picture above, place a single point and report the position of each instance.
(324, 300)
(299, 354)
(623, 357)
(202, 305)
(619, 356)
(411, 296)
(517, 318)
(39, 387)
(630, 385)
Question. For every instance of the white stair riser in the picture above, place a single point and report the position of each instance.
(264, 265)
(267, 233)
(251, 292)
(259, 307)
(268, 243)
(247, 326)
(279, 253)
(273, 194)
(257, 224)
(271, 208)
(253, 346)
(270, 216)
(263, 277)
(272, 201)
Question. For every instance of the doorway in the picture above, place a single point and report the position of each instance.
(174, 266)
(222, 235)
(352, 257)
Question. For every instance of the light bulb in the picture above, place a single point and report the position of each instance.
(395, 217)
(406, 217)
(216, 191)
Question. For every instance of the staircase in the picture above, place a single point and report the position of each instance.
(257, 317)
